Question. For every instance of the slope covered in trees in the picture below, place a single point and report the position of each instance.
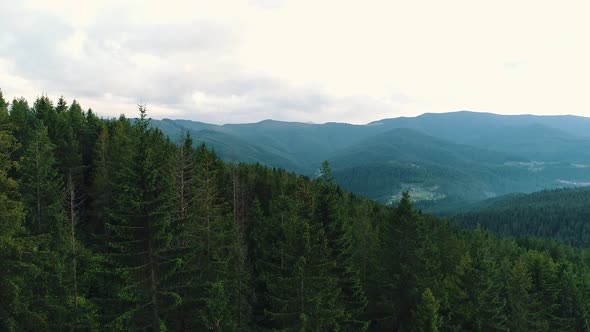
(450, 158)
(562, 214)
(109, 225)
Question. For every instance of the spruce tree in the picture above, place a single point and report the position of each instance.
(23, 123)
(44, 196)
(519, 300)
(139, 229)
(476, 288)
(302, 291)
(328, 213)
(15, 295)
(45, 111)
(216, 228)
(427, 315)
(42, 186)
(3, 111)
(398, 279)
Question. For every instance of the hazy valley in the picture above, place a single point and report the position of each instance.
(443, 160)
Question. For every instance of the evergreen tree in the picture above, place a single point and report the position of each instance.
(427, 316)
(302, 291)
(15, 295)
(23, 123)
(328, 213)
(3, 111)
(139, 223)
(45, 111)
(402, 239)
(170, 237)
(518, 304)
(42, 187)
(44, 196)
(215, 228)
(101, 190)
(476, 289)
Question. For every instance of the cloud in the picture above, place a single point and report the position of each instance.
(190, 69)
(248, 60)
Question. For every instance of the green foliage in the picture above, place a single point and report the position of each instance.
(466, 156)
(139, 227)
(42, 186)
(427, 316)
(169, 237)
(560, 214)
(13, 293)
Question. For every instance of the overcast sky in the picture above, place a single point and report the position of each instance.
(347, 61)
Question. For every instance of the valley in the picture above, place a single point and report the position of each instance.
(467, 156)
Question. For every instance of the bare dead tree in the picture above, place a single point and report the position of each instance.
(73, 202)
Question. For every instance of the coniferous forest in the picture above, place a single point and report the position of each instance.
(106, 224)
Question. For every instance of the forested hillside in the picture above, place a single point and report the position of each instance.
(562, 214)
(110, 225)
(443, 160)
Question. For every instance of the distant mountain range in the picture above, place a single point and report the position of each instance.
(442, 159)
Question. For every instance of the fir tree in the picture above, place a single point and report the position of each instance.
(518, 304)
(139, 222)
(427, 316)
(42, 186)
(23, 123)
(15, 313)
(338, 229)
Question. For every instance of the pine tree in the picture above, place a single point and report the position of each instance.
(398, 279)
(139, 223)
(476, 288)
(427, 316)
(301, 289)
(328, 213)
(23, 123)
(216, 229)
(42, 187)
(518, 304)
(240, 277)
(184, 188)
(3, 112)
(100, 192)
(258, 236)
(44, 196)
(545, 293)
(45, 111)
(571, 300)
(67, 141)
(15, 313)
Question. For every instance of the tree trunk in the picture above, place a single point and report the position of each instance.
(72, 214)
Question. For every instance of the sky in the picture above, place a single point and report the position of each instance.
(303, 60)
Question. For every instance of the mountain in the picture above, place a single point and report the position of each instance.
(308, 144)
(562, 214)
(442, 158)
(232, 146)
(383, 166)
(466, 127)
(405, 144)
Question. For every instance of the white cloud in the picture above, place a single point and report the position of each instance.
(353, 61)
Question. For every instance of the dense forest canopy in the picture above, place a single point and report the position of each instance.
(560, 214)
(110, 225)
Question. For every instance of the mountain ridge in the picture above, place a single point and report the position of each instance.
(488, 154)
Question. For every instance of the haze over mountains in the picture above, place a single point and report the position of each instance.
(442, 159)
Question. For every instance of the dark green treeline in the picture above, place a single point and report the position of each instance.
(108, 225)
